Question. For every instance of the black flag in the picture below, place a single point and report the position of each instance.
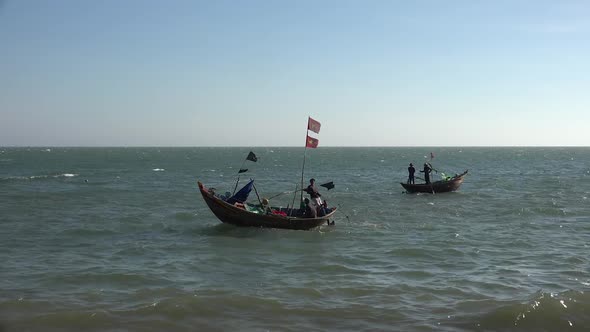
(242, 170)
(328, 185)
(252, 157)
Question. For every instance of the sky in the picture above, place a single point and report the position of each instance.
(251, 72)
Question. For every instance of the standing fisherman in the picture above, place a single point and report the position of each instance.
(426, 171)
(411, 171)
(316, 201)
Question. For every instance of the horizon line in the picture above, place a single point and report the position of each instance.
(293, 146)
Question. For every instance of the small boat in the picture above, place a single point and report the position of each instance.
(441, 186)
(240, 213)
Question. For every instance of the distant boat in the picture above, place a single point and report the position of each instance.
(442, 186)
(238, 213)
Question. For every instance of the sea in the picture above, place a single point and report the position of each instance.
(120, 239)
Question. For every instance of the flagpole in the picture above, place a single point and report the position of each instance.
(293, 204)
(236, 187)
(314, 126)
(303, 168)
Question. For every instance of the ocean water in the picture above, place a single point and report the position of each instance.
(119, 239)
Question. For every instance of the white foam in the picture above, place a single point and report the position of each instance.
(158, 170)
(34, 177)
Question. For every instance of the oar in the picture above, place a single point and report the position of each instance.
(431, 187)
(258, 196)
(419, 178)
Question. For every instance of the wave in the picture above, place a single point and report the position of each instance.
(38, 177)
(88, 232)
(159, 312)
(158, 170)
(185, 216)
(171, 308)
(543, 312)
(127, 279)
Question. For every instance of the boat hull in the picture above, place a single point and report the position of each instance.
(238, 216)
(436, 187)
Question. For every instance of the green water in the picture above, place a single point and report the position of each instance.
(119, 239)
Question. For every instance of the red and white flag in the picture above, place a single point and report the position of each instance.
(313, 125)
(311, 142)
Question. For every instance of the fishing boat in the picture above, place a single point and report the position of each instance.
(233, 211)
(234, 208)
(442, 186)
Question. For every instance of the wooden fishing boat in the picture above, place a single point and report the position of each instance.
(255, 215)
(442, 186)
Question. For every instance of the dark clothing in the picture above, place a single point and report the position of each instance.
(411, 171)
(312, 191)
(315, 201)
(426, 172)
(324, 209)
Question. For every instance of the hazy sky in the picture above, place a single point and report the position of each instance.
(249, 73)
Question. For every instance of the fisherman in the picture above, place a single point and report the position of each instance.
(316, 201)
(266, 206)
(411, 171)
(324, 210)
(426, 171)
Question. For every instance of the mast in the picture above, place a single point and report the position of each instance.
(310, 142)
(303, 167)
(238, 180)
